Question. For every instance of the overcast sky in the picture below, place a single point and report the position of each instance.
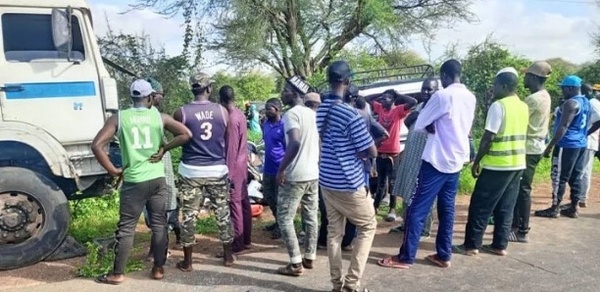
(536, 29)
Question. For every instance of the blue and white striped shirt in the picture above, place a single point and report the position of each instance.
(345, 135)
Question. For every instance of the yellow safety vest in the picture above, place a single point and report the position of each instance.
(507, 151)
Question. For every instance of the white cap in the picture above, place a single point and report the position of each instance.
(508, 70)
(140, 88)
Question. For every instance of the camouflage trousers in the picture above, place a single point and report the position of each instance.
(192, 193)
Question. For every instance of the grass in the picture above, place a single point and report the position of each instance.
(97, 218)
(542, 174)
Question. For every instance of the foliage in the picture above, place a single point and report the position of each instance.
(248, 86)
(136, 54)
(99, 261)
(481, 64)
(300, 37)
(254, 137)
(94, 217)
(590, 73)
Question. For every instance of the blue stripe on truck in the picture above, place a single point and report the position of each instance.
(52, 90)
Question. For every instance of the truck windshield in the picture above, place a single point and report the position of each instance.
(28, 37)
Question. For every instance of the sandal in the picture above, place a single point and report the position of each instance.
(461, 249)
(394, 263)
(434, 259)
(492, 250)
(103, 279)
(181, 267)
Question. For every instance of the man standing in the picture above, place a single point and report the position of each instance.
(237, 162)
(392, 108)
(498, 167)
(447, 119)
(570, 137)
(140, 131)
(274, 137)
(172, 208)
(297, 177)
(203, 169)
(408, 169)
(345, 143)
(538, 104)
(592, 144)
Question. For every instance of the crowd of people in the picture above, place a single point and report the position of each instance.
(320, 154)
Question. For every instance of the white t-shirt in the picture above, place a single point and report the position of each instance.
(495, 117)
(592, 139)
(305, 166)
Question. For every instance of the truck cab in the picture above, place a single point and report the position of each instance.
(55, 95)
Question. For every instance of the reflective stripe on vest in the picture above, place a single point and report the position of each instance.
(507, 150)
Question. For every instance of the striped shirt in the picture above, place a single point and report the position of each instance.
(344, 134)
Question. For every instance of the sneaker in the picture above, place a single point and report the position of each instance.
(571, 213)
(461, 249)
(552, 212)
(391, 217)
(516, 236)
(425, 236)
(321, 246)
(582, 205)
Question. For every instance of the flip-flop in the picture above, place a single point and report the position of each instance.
(103, 279)
(390, 262)
(434, 259)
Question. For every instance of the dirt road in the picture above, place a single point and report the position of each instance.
(562, 256)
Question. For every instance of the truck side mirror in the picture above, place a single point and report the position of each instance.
(61, 30)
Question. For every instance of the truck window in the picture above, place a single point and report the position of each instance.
(28, 37)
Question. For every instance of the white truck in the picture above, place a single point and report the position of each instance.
(55, 94)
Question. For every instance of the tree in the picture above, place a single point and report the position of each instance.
(136, 54)
(301, 37)
(483, 61)
(590, 72)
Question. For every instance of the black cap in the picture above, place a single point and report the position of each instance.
(338, 71)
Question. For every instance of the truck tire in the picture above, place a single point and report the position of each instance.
(34, 217)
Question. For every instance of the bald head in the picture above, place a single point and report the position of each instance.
(430, 85)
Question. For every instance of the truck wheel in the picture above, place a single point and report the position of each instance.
(34, 217)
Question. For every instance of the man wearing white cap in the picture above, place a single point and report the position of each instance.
(140, 131)
(498, 167)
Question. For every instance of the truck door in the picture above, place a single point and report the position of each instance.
(39, 85)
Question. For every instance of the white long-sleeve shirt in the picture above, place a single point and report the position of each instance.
(451, 111)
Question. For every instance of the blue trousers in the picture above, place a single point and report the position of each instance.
(430, 184)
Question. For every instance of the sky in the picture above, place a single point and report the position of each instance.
(536, 29)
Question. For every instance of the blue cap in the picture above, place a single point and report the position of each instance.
(572, 81)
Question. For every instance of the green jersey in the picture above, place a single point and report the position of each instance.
(140, 136)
